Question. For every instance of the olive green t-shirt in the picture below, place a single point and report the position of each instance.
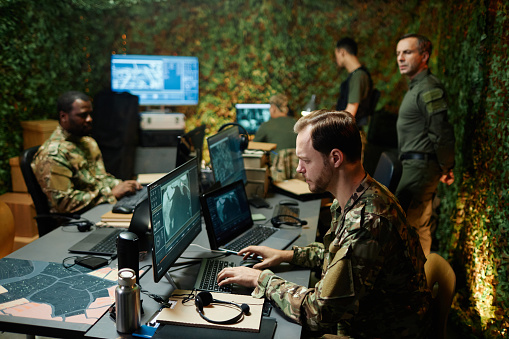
(278, 131)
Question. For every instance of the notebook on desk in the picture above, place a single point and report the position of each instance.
(230, 225)
(102, 240)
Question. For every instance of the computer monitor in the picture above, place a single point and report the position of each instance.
(226, 156)
(158, 80)
(191, 145)
(251, 116)
(175, 216)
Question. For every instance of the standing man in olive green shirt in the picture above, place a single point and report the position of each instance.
(425, 136)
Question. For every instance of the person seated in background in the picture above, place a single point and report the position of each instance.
(279, 130)
(69, 165)
(373, 283)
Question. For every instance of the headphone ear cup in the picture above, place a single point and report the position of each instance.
(244, 142)
(275, 222)
(203, 299)
(244, 308)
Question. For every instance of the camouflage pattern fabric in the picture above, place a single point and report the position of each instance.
(71, 173)
(373, 282)
(284, 165)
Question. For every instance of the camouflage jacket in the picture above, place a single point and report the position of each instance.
(373, 282)
(71, 173)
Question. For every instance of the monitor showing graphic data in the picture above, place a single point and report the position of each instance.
(175, 215)
(251, 116)
(226, 156)
(157, 80)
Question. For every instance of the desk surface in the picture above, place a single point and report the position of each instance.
(53, 248)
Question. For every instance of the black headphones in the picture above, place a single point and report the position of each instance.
(205, 298)
(82, 225)
(279, 220)
(77, 220)
(244, 138)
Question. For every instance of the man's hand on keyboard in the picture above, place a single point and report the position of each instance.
(125, 188)
(240, 275)
(271, 257)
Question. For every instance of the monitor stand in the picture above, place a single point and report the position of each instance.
(170, 280)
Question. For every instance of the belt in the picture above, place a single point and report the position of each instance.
(417, 156)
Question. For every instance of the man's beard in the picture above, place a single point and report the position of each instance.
(322, 182)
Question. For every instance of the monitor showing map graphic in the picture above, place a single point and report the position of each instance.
(158, 80)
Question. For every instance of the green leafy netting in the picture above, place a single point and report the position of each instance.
(251, 49)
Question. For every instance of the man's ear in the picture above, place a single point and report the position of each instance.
(336, 157)
(425, 57)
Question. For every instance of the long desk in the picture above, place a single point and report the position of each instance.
(53, 248)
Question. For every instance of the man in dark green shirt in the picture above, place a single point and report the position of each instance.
(355, 90)
(425, 137)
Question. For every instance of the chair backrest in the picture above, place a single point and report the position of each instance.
(46, 221)
(388, 170)
(6, 230)
(39, 198)
(439, 272)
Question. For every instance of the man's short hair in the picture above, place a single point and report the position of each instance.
(423, 43)
(281, 102)
(348, 44)
(333, 129)
(65, 101)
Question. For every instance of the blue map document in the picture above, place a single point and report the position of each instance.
(49, 291)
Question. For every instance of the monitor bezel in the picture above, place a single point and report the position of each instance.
(186, 239)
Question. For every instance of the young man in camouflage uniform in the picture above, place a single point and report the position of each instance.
(69, 165)
(373, 282)
(425, 136)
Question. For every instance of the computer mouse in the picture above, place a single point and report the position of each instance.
(121, 209)
(289, 202)
(250, 262)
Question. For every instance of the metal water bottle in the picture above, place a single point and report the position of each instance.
(127, 301)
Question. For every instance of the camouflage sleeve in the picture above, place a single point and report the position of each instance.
(316, 308)
(349, 276)
(65, 197)
(309, 256)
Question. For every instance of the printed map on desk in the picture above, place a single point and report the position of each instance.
(47, 290)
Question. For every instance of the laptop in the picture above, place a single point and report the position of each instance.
(229, 222)
(102, 241)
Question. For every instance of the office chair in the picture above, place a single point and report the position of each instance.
(6, 230)
(439, 271)
(46, 221)
(388, 170)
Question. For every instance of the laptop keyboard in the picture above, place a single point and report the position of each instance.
(207, 276)
(254, 236)
(108, 244)
(131, 201)
(286, 210)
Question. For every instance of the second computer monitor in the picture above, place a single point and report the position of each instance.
(251, 116)
(226, 156)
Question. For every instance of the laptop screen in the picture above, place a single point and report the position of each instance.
(227, 213)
